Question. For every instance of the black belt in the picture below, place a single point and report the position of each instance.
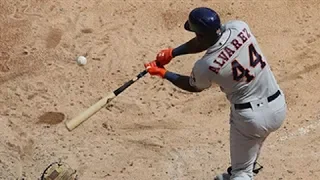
(248, 105)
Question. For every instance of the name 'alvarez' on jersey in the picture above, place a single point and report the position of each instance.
(237, 65)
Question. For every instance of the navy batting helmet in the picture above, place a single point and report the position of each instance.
(203, 20)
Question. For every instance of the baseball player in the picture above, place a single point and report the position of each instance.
(234, 61)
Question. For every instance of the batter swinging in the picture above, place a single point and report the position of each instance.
(233, 60)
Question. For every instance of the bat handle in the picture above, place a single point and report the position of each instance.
(129, 83)
(140, 75)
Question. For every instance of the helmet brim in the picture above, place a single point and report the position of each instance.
(187, 26)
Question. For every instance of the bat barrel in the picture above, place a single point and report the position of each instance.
(76, 121)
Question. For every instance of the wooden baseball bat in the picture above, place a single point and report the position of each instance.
(76, 121)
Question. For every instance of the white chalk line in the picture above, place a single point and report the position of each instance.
(302, 131)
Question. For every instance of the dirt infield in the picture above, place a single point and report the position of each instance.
(153, 130)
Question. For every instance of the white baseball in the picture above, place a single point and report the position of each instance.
(81, 60)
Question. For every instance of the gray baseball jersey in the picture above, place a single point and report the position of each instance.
(237, 64)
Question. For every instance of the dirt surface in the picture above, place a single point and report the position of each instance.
(152, 130)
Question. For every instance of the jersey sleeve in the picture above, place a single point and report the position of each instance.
(200, 77)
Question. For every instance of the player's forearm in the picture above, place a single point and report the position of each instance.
(180, 81)
(190, 47)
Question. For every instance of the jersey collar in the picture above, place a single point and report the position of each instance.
(226, 33)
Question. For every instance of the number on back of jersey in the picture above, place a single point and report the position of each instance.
(239, 72)
(255, 57)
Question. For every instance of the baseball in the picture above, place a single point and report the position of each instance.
(81, 60)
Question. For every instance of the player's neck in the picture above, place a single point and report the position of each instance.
(208, 41)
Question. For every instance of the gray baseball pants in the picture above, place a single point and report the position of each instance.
(248, 130)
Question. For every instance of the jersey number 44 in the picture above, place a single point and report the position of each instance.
(240, 72)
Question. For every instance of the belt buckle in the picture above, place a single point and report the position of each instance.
(259, 104)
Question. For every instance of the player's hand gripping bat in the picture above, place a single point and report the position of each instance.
(76, 121)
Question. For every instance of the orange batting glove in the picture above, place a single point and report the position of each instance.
(164, 56)
(154, 69)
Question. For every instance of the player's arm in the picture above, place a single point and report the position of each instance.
(191, 47)
(181, 81)
(195, 45)
(194, 83)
